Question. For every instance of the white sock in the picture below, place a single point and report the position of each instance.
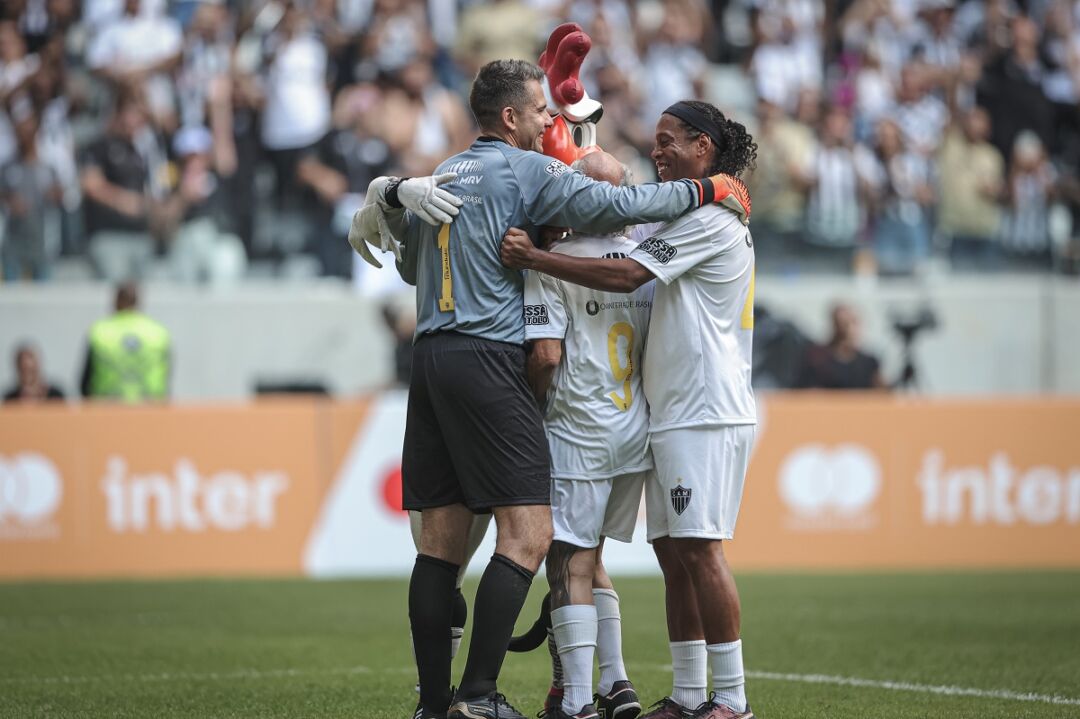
(456, 633)
(688, 667)
(729, 682)
(608, 639)
(575, 627)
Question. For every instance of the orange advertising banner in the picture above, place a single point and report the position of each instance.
(875, 481)
(312, 487)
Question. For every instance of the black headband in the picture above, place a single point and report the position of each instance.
(697, 120)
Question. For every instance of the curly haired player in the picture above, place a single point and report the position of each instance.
(697, 380)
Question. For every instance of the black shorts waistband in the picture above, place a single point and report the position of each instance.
(451, 340)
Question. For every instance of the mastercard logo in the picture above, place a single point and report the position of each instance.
(391, 492)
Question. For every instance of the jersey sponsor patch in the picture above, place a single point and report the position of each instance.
(662, 251)
(536, 315)
(556, 168)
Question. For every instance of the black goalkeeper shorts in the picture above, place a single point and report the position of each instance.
(473, 434)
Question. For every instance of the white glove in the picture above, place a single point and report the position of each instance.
(423, 197)
(369, 227)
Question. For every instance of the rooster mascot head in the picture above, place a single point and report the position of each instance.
(574, 133)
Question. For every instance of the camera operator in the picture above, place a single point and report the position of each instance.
(839, 363)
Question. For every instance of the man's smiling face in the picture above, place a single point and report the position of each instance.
(678, 156)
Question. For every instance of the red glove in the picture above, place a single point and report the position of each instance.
(725, 190)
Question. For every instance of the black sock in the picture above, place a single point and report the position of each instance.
(499, 599)
(431, 602)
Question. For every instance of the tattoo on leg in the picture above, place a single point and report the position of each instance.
(558, 572)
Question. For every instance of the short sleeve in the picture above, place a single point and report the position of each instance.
(93, 156)
(545, 308)
(675, 250)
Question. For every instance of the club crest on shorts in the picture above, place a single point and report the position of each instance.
(680, 499)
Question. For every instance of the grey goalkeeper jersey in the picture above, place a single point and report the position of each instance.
(461, 285)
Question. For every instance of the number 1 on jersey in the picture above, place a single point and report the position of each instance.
(622, 372)
(446, 299)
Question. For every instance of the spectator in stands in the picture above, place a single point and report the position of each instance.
(128, 356)
(783, 67)
(206, 58)
(29, 193)
(903, 199)
(673, 64)
(937, 47)
(839, 184)
(200, 250)
(398, 33)
(1059, 50)
(17, 67)
(56, 144)
(1011, 90)
(920, 115)
(502, 29)
(338, 170)
(31, 384)
(874, 94)
(296, 115)
(786, 148)
(839, 363)
(972, 177)
(140, 49)
(1030, 188)
(116, 184)
(421, 121)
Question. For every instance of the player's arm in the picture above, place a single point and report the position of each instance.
(611, 275)
(546, 323)
(544, 358)
(553, 194)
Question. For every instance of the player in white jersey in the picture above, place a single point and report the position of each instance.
(697, 379)
(584, 366)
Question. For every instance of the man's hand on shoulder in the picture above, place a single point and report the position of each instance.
(517, 250)
(728, 191)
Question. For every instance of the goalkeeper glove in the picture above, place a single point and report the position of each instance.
(421, 196)
(725, 190)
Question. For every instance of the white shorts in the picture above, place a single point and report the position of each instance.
(583, 510)
(698, 486)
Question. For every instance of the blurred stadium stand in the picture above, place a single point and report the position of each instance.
(931, 143)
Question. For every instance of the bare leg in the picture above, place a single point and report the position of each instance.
(714, 588)
(683, 616)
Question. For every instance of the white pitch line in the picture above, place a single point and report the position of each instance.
(768, 676)
(183, 676)
(920, 688)
(901, 686)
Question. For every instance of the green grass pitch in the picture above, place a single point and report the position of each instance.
(245, 648)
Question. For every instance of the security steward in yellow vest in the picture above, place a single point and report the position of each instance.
(128, 356)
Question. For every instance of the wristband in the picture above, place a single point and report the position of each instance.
(391, 195)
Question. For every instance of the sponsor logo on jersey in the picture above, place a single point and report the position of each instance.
(592, 307)
(680, 498)
(662, 251)
(536, 314)
(556, 168)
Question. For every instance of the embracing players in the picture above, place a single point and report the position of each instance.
(697, 377)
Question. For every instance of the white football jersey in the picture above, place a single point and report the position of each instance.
(697, 360)
(596, 416)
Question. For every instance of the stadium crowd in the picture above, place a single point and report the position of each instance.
(211, 140)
